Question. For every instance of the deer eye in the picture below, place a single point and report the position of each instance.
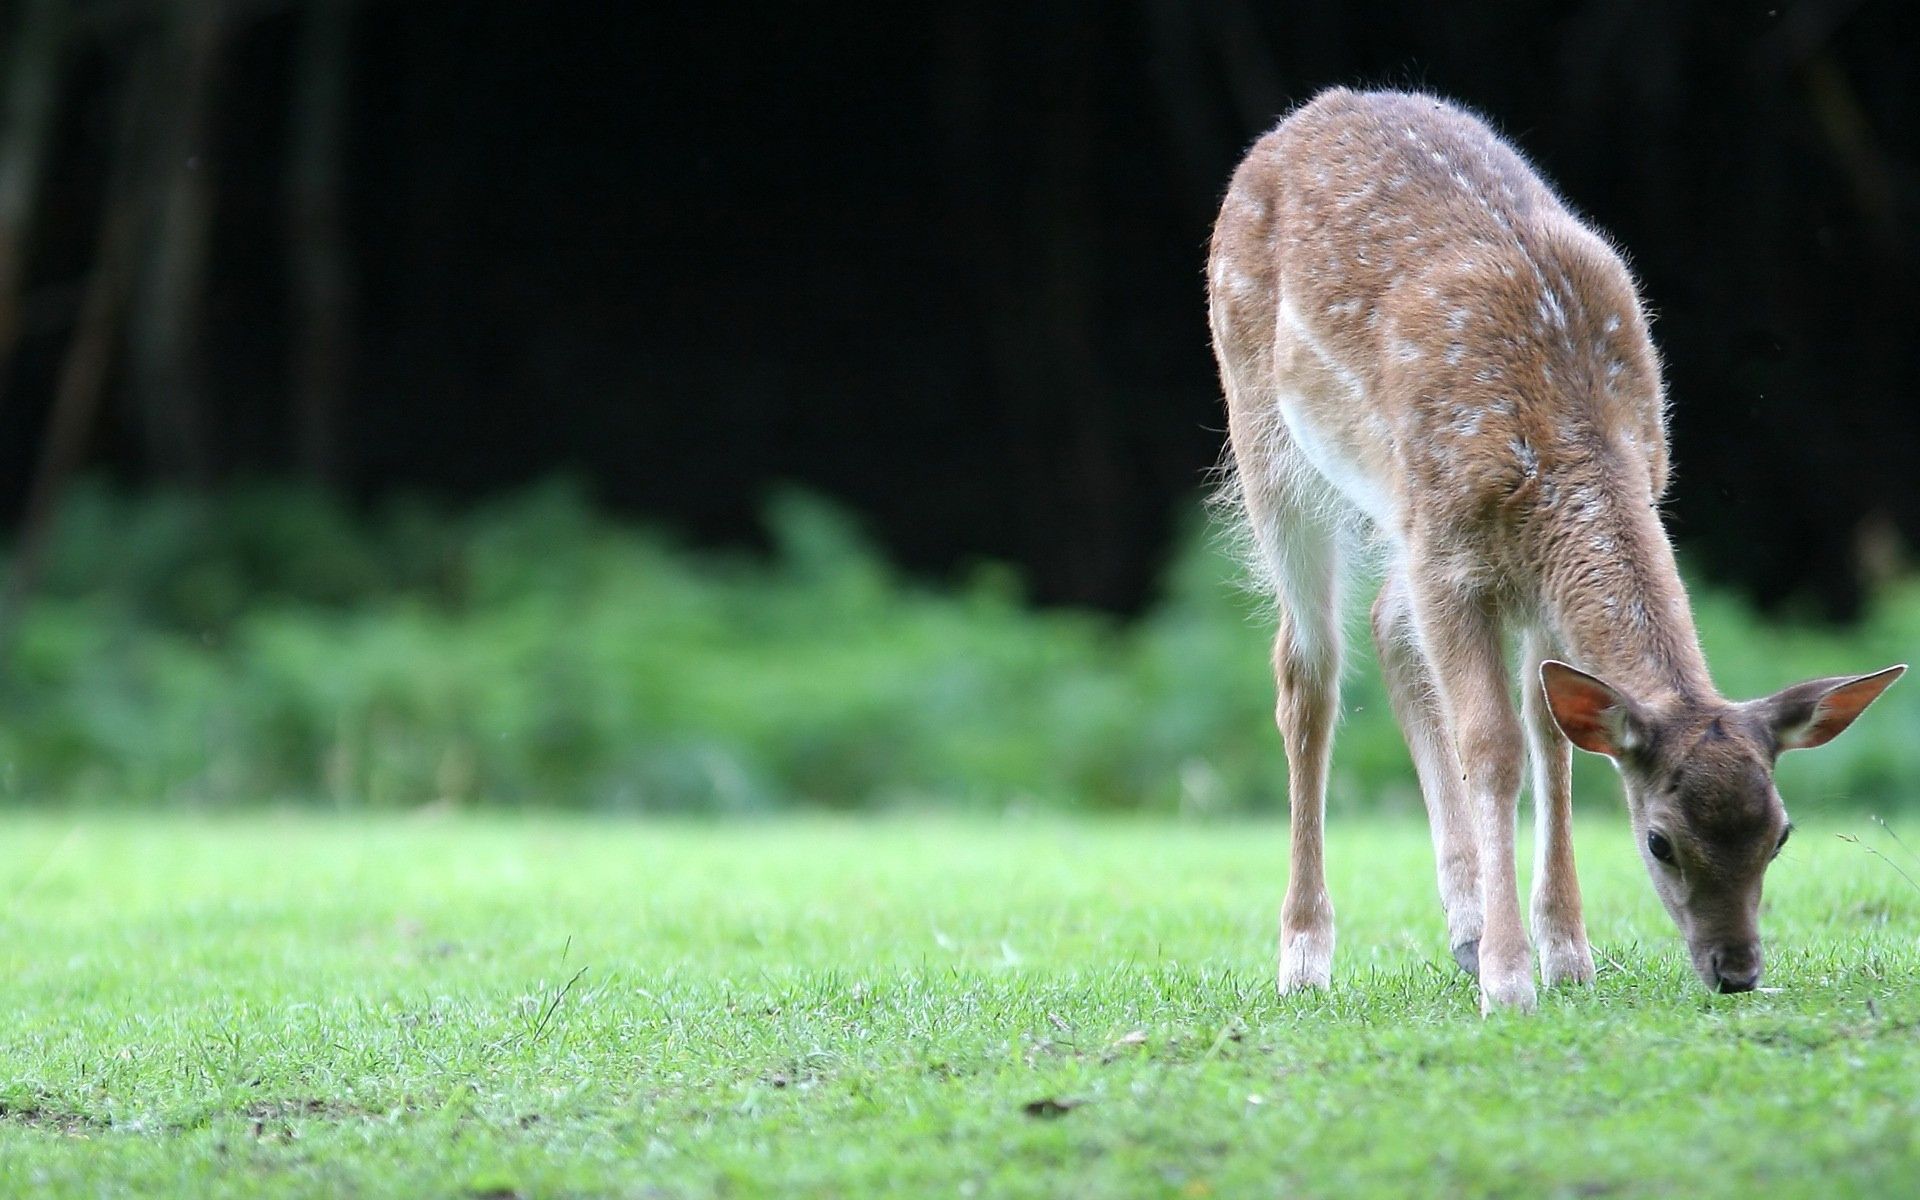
(1782, 843)
(1660, 847)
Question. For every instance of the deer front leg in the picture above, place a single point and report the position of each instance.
(1462, 643)
(1559, 932)
(1416, 705)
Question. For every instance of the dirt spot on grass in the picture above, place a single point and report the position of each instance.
(1048, 1107)
(268, 1118)
(272, 1120)
(315, 1109)
(1809, 1038)
(34, 1114)
(797, 1075)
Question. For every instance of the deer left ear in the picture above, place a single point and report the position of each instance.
(1814, 713)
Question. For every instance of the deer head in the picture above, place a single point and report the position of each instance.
(1700, 794)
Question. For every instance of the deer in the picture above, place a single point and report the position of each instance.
(1434, 369)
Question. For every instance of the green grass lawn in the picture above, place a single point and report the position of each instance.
(562, 1007)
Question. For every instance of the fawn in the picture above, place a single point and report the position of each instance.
(1426, 355)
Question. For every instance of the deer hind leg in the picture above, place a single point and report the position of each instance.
(1289, 513)
(1416, 704)
(1559, 932)
(1462, 642)
(1306, 667)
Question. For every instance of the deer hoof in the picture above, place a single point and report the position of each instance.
(1467, 954)
(1306, 961)
(1566, 963)
(1512, 995)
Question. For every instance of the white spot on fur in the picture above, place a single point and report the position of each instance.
(1583, 505)
(1550, 309)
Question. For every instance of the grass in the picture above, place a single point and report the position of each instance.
(568, 1006)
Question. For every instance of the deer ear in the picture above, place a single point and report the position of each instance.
(1593, 714)
(1814, 713)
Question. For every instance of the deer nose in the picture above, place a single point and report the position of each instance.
(1737, 968)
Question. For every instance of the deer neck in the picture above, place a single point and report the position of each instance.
(1612, 592)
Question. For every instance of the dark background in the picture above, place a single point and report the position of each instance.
(944, 264)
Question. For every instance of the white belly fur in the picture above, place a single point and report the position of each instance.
(1310, 380)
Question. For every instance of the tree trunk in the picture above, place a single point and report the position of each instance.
(168, 377)
(322, 300)
(1031, 219)
(83, 372)
(1171, 46)
(32, 88)
(1063, 337)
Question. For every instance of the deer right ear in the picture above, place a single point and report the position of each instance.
(1593, 714)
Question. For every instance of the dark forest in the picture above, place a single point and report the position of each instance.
(943, 264)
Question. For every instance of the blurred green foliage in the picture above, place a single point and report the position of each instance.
(268, 645)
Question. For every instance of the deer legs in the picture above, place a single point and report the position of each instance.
(1309, 702)
(1461, 640)
(1465, 747)
(1306, 668)
(1440, 653)
(1416, 704)
(1559, 932)
(1446, 676)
